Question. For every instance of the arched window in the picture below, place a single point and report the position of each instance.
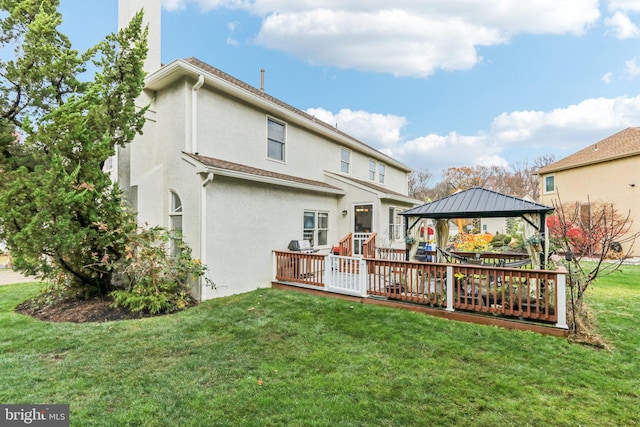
(175, 222)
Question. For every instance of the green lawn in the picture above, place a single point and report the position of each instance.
(272, 358)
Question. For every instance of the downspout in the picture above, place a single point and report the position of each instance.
(203, 228)
(194, 113)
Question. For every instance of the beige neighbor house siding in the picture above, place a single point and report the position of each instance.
(607, 171)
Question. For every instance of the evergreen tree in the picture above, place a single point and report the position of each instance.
(60, 215)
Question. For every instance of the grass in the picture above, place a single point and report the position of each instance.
(274, 358)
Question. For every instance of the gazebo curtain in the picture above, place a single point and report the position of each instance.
(529, 231)
(442, 236)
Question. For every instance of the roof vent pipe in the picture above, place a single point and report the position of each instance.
(262, 80)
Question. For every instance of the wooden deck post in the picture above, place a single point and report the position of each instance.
(362, 278)
(449, 288)
(561, 295)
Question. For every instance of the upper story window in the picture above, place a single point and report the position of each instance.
(382, 171)
(549, 183)
(275, 140)
(345, 160)
(372, 170)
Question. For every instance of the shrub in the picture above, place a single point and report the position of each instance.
(498, 240)
(472, 242)
(151, 279)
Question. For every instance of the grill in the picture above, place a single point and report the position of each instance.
(302, 246)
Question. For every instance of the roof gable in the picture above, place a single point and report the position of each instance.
(477, 202)
(622, 144)
(214, 77)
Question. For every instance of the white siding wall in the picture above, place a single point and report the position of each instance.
(246, 222)
(237, 132)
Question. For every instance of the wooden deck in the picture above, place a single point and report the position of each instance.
(492, 295)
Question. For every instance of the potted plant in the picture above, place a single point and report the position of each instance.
(535, 241)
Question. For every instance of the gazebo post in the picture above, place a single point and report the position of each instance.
(406, 233)
(543, 232)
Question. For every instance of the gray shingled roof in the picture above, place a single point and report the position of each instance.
(625, 143)
(237, 167)
(477, 202)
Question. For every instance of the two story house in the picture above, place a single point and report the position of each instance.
(606, 171)
(241, 173)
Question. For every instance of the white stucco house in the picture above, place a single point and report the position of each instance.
(242, 173)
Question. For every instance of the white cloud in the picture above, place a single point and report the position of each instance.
(632, 69)
(405, 37)
(595, 113)
(561, 131)
(379, 130)
(622, 27)
(624, 5)
(607, 77)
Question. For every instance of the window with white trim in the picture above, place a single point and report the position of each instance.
(396, 223)
(549, 183)
(175, 223)
(382, 170)
(372, 170)
(345, 160)
(275, 140)
(316, 227)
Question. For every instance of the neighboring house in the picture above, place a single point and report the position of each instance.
(607, 171)
(493, 225)
(242, 173)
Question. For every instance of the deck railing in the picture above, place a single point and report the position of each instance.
(408, 281)
(297, 267)
(346, 245)
(358, 241)
(369, 246)
(525, 294)
(390, 254)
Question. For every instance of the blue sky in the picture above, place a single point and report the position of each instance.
(436, 83)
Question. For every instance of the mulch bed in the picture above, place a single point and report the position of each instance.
(77, 311)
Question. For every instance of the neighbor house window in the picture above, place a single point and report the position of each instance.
(396, 223)
(382, 170)
(372, 170)
(549, 184)
(175, 223)
(275, 140)
(316, 227)
(345, 160)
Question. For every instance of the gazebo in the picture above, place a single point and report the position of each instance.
(478, 202)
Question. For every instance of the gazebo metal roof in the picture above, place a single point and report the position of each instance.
(477, 202)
